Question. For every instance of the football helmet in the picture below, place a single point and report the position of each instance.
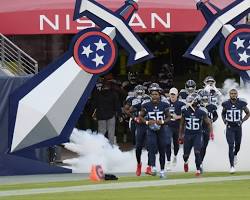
(139, 91)
(154, 87)
(204, 97)
(190, 86)
(193, 99)
(209, 80)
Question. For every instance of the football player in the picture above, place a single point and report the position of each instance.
(155, 115)
(214, 92)
(213, 116)
(190, 88)
(191, 121)
(233, 119)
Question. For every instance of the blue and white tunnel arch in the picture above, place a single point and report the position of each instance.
(222, 26)
(45, 109)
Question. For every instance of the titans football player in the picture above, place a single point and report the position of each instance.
(174, 123)
(191, 121)
(233, 119)
(128, 122)
(190, 88)
(140, 131)
(155, 115)
(214, 92)
(213, 116)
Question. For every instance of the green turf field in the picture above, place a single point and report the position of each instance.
(228, 190)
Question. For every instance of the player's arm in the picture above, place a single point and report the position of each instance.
(178, 116)
(246, 110)
(209, 125)
(142, 115)
(166, 120)
(181, 129)
(142, 119)
(168, 116)
(223, 115)
(215, 115)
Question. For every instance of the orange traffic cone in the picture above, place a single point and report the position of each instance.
(96, 173)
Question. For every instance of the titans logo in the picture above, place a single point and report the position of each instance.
(222, 26)
(45, 109)
(94, 52)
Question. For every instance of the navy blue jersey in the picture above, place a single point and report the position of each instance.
(136, 104)
(175, 109)
(155, 112)
(211, 113)
(233, 111)
(183, 94)
(193, 119)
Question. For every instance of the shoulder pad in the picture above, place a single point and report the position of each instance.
(145, 101)
(136, 101)
(145, 96)
(182, 91)
(204, 109)
(164, 99)
(243, 100)
(224, 102)
(184, 107)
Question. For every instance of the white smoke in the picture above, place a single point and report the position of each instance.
(94, 148)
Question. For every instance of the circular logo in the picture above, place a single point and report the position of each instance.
(99, 172)
(94, 52)
(237, 49)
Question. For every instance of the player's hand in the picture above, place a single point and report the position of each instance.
(181, 140)
(159, 122)
(137, 120)
(211, 136)
(174, 117)
(151, 122)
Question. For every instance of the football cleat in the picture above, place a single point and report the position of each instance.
(198, 173)
(148, 170)
(232, 170)
(162, 174)
(138, 170)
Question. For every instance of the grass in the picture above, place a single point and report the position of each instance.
(121, 179)
(203, 191)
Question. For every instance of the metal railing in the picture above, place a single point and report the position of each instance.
(15, 60)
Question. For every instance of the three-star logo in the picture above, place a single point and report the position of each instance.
(94, 52)
(237, 49)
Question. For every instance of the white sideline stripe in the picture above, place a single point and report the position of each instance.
(126, 185)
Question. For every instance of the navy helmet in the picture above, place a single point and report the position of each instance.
(154, 87)
(193, 98)
(190, 86)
